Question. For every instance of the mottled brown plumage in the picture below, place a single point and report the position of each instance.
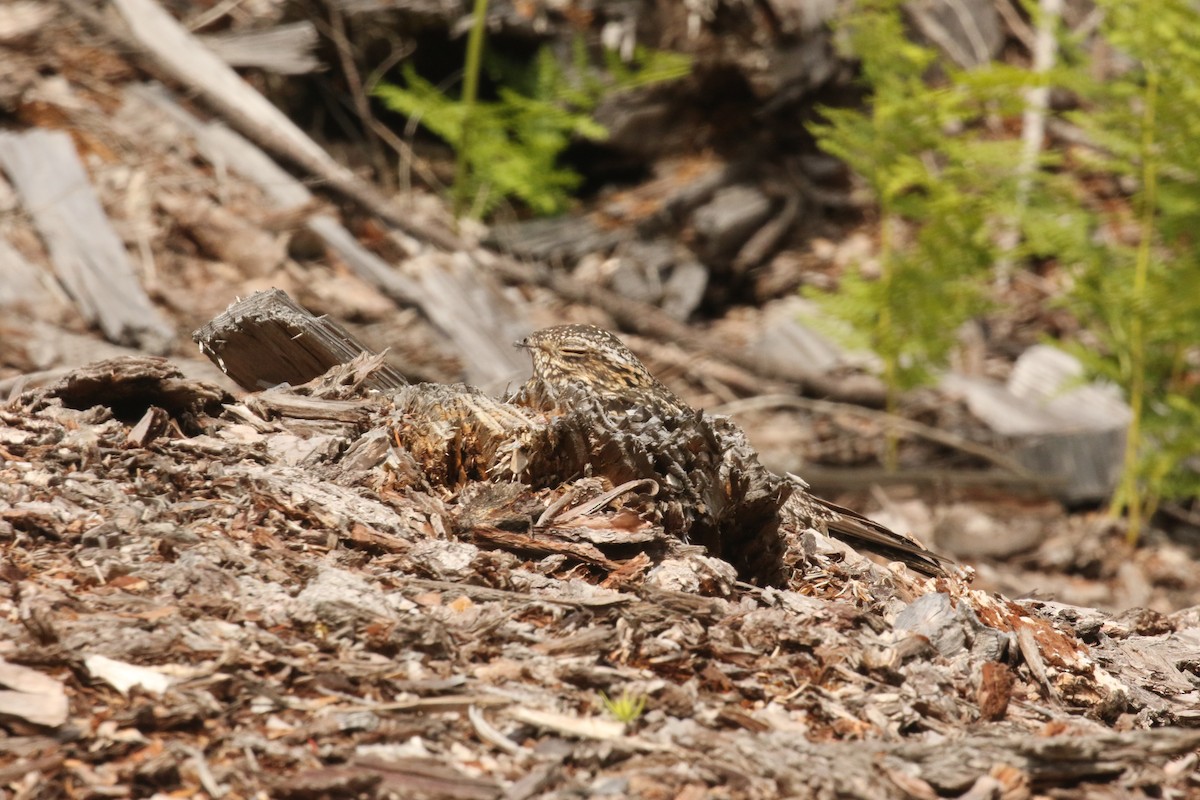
(568, 359)
(576, 362)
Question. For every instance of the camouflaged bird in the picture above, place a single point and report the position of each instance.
(572, 363)
(569, 359)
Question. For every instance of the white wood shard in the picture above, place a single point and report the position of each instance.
(32, 696)
(284, 49)
(123, 676)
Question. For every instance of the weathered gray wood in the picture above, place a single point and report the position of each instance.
(786, 345)
(135, 382)
(557, 240)
(24, 286)
(1090, 459)
(470, 308)
(88, 255)
(728, 221)
(637, 269)
(684, 288)
(1071, 433)
(768, 238)
(274, 402)
(54, 352)
(267, 339)
(192, 63)
(658, 271)
(283, 49)
(830, 480)
(1055, 381)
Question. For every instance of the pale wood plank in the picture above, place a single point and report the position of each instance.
(88, 255)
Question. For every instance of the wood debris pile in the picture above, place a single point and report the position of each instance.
(296, 603)
(322, 591)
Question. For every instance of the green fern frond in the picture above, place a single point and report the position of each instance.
(515, 141)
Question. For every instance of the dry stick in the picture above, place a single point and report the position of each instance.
(933, 29)
(768, 401)
(597, 503)
(715, 368)
(210, 16)
(362, 106)
(409, 162)
(856, 479)
(1016, 24)
(1179, 512)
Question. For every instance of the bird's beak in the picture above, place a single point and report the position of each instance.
(523, 344)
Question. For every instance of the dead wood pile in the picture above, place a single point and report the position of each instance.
(330, 590)
(317, 592)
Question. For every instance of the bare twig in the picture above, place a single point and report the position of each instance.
(1016, 23)
(362, 105)
(212, 15)
(409, 162)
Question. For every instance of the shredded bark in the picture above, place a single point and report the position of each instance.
(430, 596)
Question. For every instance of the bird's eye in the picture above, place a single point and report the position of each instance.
(573, 351)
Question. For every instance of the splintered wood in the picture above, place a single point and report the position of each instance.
(266, 339)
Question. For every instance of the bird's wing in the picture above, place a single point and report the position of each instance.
(858, 531)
